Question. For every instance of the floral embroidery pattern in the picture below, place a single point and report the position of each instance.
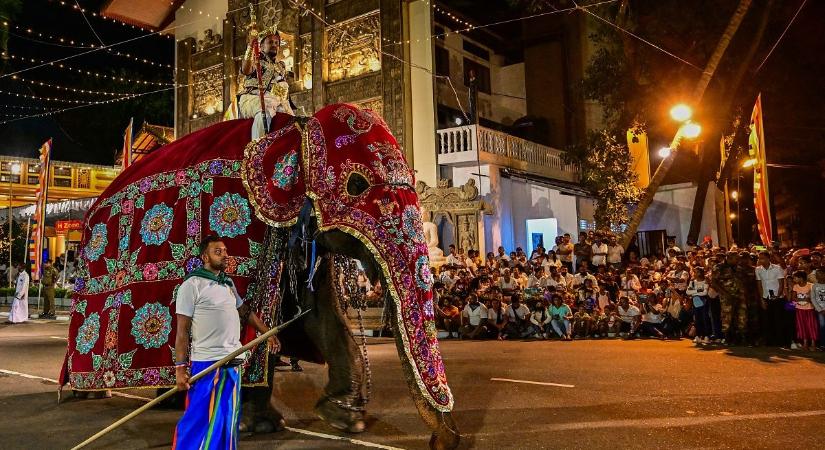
(424, 277)
(97, 242)
(156, 224)
(229, 215)
(88, 333)
(286, 171)
(151, 325)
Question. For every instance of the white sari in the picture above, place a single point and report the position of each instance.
(20, 306)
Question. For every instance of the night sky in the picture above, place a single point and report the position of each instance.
(791, 83)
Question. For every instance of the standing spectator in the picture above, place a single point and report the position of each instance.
(49, 280)
(565, 251)
(615, 252)
(818, 299)
(771, 287)
(473, 319)
(582, 251)
(807, 328)
(551, 260)
(19, 312)
(599, 255)
(698, 292)
(517, 318)
(560, 316)
(502, 258)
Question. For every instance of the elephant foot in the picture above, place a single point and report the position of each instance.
(262, 426)
(444, 440)
(340, 418)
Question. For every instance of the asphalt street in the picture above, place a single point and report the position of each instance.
(593, 394)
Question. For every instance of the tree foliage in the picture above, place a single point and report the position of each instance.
(607, 171)
(8, 10)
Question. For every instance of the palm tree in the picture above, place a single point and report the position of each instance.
(698, 93)
(8, 9)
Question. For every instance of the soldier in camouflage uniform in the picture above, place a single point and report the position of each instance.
(49, 280)
(727, 281)
(746, 274)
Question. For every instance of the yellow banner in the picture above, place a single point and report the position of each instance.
(637, 143)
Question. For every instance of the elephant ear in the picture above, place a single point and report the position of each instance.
(272, 174)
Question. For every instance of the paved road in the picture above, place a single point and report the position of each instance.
(639, 394)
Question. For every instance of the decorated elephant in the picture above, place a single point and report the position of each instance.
(291, 207)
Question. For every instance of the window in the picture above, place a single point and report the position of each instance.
(62, 182)
(482, 74)
(61, 171)
(442, 61)
(473, 49)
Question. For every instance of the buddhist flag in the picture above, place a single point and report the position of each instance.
(637, 144)
(127, 146)
(39, 219)
(756, 149)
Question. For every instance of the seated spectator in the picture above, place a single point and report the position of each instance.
(653, 320)
(496, 319)
(507, 283)
(537, 279)
(448, 317)
(517, 318)
(538, 322)
(560, 316)
(630, 284)
(582, 323)
(473, 319)
(630, 318)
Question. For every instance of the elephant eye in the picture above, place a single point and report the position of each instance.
(357, 184)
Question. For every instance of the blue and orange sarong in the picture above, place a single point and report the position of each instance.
(213, 407)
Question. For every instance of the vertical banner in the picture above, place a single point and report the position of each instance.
(127, 145)
(637, 144)
(761, 198)
(39, 219)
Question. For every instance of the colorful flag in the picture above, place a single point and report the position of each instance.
(127, 146)
(761, 197)
(637, 143)
(41, 196)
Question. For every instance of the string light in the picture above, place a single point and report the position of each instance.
(48, 99)
(82, 104)
(69, 89)
(87, 72)
(30, 34)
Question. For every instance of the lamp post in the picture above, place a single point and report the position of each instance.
(14, 168)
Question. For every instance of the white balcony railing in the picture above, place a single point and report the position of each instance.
(471, 142)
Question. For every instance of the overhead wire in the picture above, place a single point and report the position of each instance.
(776, 44)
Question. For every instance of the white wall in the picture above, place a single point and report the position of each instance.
(672, 208)
(195, 16)
(526, 201)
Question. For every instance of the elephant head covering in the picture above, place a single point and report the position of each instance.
(348, 163)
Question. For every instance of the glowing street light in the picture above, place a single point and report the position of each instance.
(681, 112)
(691, 130)
(665, 152)
(734, 195)
(732, 216)
(749, 163)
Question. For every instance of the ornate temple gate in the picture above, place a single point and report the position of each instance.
(463, 209)
(339, 63)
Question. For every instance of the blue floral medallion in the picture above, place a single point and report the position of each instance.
(88, 333)
(156, 224)
(229, 215)
(151, 325)
(97, 242)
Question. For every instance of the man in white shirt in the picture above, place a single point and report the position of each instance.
(453, 259)
(473, 319)
(630, 317)
(599, 255)
(630, 285)
(517, 317)
(19, 312)
(209, 309)
(565, 251)
(614, 253)
(771, 288)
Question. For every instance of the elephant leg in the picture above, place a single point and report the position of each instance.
(342, 403)
(445, 433)
(257, 413)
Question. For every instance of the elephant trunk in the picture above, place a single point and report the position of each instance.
(445, 433)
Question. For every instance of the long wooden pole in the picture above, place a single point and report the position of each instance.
(194, 378)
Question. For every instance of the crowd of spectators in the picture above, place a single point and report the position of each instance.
(595, 289)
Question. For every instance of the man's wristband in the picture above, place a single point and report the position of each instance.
(182, 364)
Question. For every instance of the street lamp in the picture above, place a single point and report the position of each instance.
(749, 163)
(681, 112)
(734, 195)
(14, 168)
(691, 130)
(665, 152)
